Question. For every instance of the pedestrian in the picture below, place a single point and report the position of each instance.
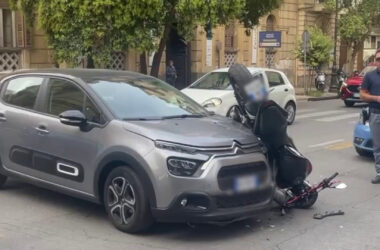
(171, 73)
(370, 92)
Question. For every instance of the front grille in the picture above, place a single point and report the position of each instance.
(369, 144)
(244, 199)
(353, 88)
(228, 174)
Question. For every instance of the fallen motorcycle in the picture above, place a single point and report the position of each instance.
(268, 121)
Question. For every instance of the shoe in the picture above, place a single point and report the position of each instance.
(376, 180)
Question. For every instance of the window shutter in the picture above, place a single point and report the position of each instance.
(23, 33)
(19, 29)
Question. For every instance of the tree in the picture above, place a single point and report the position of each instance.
(320, 48)
(96, 28)
(356, 24)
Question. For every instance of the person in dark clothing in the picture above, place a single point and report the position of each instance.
(370, 92)
(171, 73)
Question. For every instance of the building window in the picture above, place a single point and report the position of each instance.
(7, 32)
(373, 42)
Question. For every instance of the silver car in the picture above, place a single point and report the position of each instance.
(133, 143)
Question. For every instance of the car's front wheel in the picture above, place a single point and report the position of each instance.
(126, 202)
(3, 179)
(291, 109)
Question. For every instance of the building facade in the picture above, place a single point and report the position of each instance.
(24, 48)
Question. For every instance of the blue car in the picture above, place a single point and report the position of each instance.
(362, 135)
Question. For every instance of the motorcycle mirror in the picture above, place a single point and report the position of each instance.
(341, 186)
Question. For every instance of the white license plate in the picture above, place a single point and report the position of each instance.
(246, 183)
(357, 95)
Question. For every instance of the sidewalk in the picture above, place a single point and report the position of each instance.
(300, 95)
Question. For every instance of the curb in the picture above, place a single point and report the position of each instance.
(312, 99)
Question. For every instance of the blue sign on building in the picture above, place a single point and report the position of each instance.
(270, 39)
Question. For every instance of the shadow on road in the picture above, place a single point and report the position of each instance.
(270, 220)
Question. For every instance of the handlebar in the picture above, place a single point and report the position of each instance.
(328, 180)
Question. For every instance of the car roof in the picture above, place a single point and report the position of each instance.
(251, 69)
(85, 74)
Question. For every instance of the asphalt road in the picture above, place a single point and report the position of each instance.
(34, 218)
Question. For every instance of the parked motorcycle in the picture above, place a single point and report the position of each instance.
(268, 121)
(320, 81)
(342, 78)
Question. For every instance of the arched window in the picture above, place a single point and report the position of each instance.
(271, 22)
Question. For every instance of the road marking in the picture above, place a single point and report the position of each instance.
(299, 111)
(326, 143)
(341, 146)
(337, 118)
(331, 112)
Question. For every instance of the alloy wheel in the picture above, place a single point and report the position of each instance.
(121, 200)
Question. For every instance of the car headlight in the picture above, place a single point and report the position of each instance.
(211, 103)
(183, 167)
(175, 147)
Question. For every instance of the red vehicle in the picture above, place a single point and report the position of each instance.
(350, 90)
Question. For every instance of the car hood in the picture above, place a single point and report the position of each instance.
(355, 80)
(212, 131)
(202, 95)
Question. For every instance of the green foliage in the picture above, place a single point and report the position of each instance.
(321, 46)
(353, 28)
(97, 27)
(356, 24)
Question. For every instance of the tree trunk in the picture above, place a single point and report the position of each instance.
(143, 64)
(158, 55)
(351, 64)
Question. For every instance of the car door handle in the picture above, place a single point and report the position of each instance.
(42, 130)
(2, 117)
(286, 90)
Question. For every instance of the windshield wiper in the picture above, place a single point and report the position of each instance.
(142, 119)
(183, 116)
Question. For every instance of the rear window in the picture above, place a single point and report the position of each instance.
(23, 91)
(213, 80)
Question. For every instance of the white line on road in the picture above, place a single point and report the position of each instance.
(304, 110)
(331, 112)
(337, 118)
(325, 143)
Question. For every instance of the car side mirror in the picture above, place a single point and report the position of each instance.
(73, 118)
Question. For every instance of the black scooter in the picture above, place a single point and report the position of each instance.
(268, 121)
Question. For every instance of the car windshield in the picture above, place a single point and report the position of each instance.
(367, 69)
(213, 80)
(144, 99)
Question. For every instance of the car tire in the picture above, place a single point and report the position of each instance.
(349, 103)
(126, 201)
(3, 179)
(291, 109)
(363, 152)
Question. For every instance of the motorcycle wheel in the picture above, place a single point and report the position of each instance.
(320, 86)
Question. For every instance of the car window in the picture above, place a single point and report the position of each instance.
(214, 80)
(64, 95)
(23, 91)
(274, 78)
